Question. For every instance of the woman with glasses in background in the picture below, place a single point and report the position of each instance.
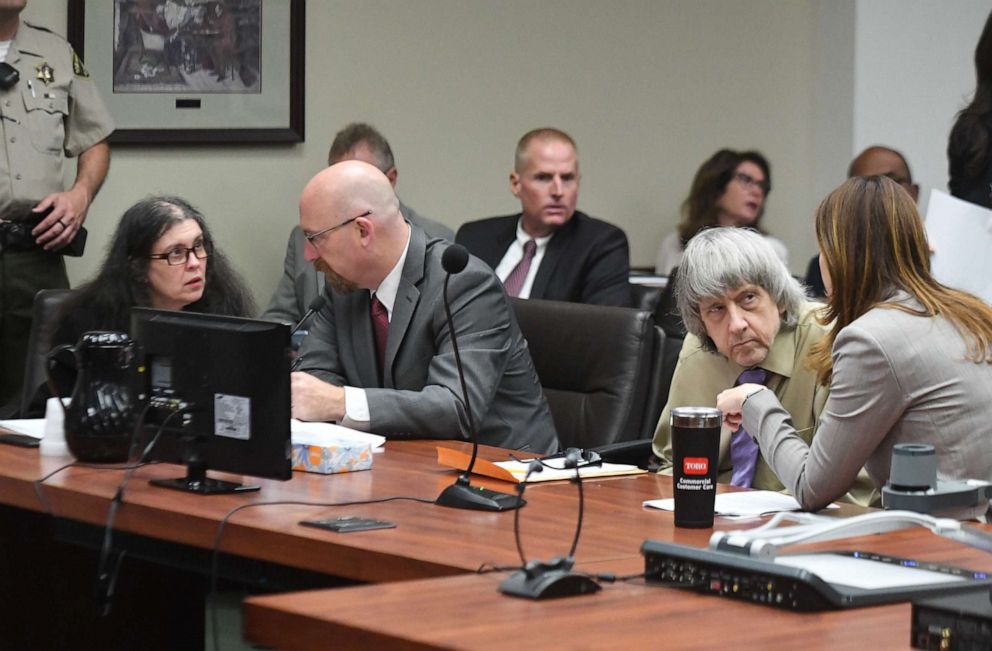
(161, 256)
(729, 190)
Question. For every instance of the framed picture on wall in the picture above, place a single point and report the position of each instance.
(195, 71)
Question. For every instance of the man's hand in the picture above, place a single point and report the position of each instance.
(59, 227)
(316, 400)
(731, 403)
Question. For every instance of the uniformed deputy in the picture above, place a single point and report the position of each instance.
(49, 109)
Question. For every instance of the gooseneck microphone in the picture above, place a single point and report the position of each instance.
(555, 578)
(461, 494)
(315, 305)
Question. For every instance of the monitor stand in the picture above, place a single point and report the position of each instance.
(196, 481)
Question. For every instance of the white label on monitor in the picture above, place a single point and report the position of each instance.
(232, 416)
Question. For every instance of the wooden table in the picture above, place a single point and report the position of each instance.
(467, 612)
(429, 540)
(426, 565)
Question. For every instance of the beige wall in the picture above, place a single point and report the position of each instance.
(648, 88)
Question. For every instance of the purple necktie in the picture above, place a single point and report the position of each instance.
(380, 326)
(515, 281)
(743, 450)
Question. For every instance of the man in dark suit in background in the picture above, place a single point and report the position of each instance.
(379, 354)
(550, 250)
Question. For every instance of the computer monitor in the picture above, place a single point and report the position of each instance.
(230, 378)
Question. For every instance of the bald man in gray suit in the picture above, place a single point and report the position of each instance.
(379, 355)
(300, 283)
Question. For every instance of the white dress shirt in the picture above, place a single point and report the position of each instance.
(356, 403)
(515, 254)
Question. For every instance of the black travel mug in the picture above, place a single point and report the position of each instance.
(696, 451)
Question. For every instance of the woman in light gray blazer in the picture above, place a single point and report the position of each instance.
(907, 359)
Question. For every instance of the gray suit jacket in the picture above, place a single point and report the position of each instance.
(300, 283)
(420, 395)
(897, 378)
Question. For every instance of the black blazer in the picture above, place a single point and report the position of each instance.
(587, 261)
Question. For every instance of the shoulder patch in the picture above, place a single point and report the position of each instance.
(77, 66)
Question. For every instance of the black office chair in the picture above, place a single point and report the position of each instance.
(659, 381)
(594, 364)
(666, 313)
(47, 304)
(646, 298)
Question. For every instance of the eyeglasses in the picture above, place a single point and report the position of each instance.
(312, 238)
(749, 181)
(180, 254)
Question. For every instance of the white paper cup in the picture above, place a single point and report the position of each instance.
(53, 443)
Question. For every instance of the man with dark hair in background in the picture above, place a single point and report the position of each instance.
(300, 282)
(874, 161)
(550, 250)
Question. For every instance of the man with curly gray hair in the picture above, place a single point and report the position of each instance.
(748, 320)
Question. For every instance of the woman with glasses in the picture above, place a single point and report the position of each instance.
(729, 190)
(907, 359)
(161, 256)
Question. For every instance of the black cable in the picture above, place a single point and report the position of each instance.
(531, 468)
(45, 504)
(76, 464)
(461, 378)
(487, 568)
(107, 580)
(582, 505)
(631, 577)
(136, 434)
(215, 552)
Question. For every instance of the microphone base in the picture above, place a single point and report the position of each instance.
(462, 495)
(542, 583)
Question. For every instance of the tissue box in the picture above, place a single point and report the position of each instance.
(332, 456)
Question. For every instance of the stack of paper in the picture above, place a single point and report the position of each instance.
(742, 503)
(960, 234)
(31, 426)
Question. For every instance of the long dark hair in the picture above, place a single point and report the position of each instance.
(122, 281)
(968, 146)
(873, 241)
(699, 210)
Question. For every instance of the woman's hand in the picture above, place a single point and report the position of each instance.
(731, 403)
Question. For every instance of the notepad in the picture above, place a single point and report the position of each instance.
(31, 426)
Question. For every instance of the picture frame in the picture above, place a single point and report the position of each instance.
(195, 71)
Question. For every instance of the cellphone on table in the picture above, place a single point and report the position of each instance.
(22, 440)
(348, 524)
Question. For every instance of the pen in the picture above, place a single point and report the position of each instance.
(31, 88)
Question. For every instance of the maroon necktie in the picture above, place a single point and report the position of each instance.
(515, 281)
(380, 326)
